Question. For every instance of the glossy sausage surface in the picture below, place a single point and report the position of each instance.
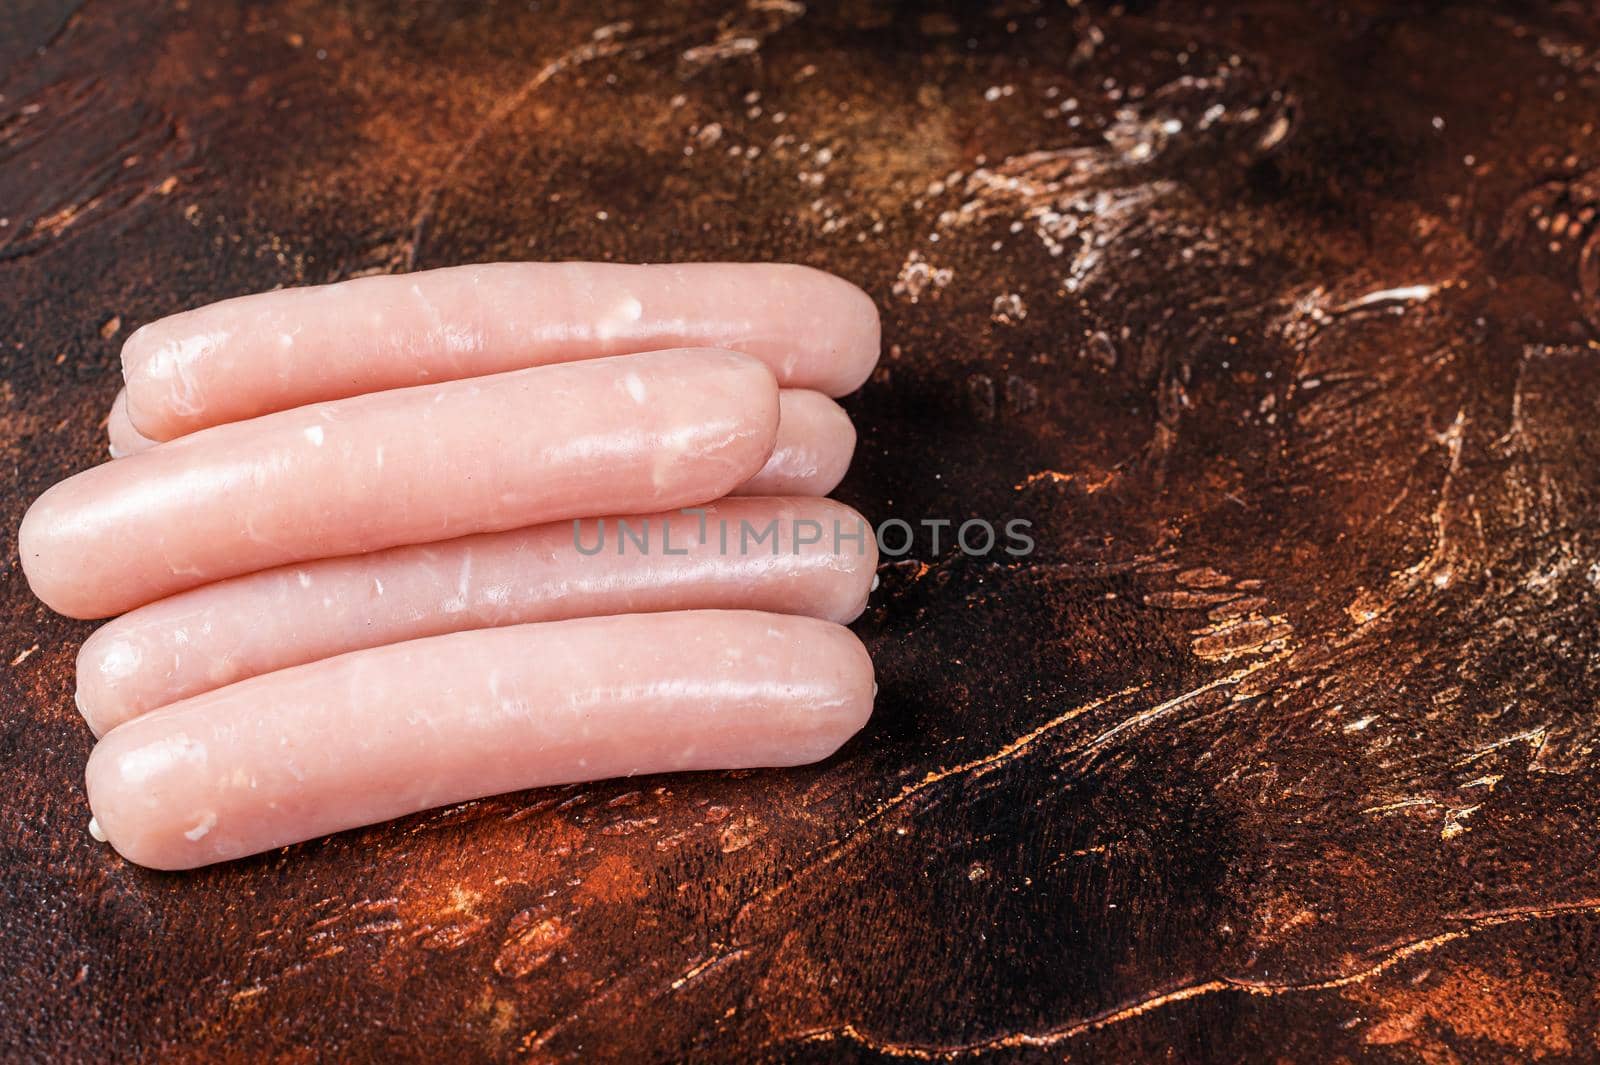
(380, 733)
(816, 441)
(270, 351)
(815, 444)
(631, 434)
(818, 560)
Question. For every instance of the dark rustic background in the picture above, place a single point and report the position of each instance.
(1277, 319)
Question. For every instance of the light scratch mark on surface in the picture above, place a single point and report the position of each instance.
(1388, 296)
(1400, 804)
(1386, 959)
(709, 965)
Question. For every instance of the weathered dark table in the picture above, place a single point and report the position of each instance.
(1278, 321)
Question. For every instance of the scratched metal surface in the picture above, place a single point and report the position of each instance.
(1279, 322)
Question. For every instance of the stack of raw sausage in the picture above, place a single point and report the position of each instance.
(367, 539)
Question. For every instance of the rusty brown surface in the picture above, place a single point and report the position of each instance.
(1278, 320)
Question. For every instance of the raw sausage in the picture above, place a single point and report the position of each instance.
(274, 350)
(819, 560)
(631, 434)
(815, 443)
(384, 732)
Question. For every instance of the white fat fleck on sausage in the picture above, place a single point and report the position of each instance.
(615, 321)
(207, 822)
(635, 387)
(314, 434)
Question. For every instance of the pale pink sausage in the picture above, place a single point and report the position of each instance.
(384, 732)
(815, 444)
(122, 437)
(792, 556)
(633, 434)
(274, 350)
